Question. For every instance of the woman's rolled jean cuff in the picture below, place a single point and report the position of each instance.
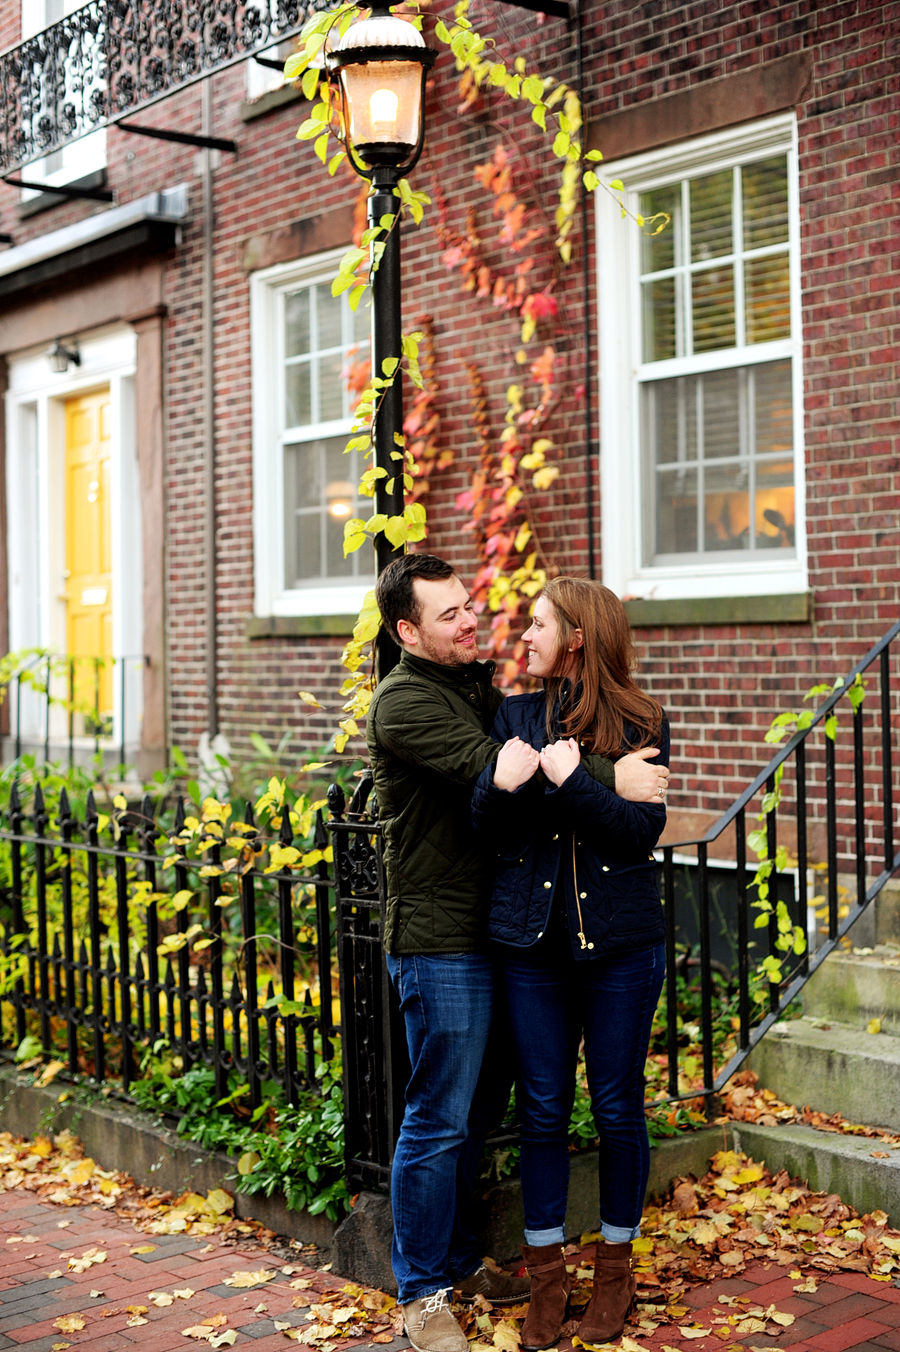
(619, 1234)
(536, 1239)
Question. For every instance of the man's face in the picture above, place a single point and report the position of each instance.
(446, 630)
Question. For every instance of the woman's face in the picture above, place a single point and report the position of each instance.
(542, 639)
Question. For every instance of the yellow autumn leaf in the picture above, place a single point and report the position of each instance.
(42, 1146)
(69, 1323)
(224, 1339)
(309, 699)
(144, 1248)
(249, 1278)
(543, 478)
(82, 1172)
(248, 1162)
(184, 1293)
(506, 1336)
(873, 1026)
(785, 1320)
(160, 1298)
(691, 1332)
(750, 1175)
(219, 1201)
(641, 1245)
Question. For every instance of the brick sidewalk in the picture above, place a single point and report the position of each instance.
(848, 1313)
(31, 1299)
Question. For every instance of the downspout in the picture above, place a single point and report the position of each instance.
(209, 406)
(588, 331)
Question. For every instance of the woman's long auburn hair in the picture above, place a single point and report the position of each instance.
(609, 696)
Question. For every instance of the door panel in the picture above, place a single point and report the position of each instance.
(88, 547)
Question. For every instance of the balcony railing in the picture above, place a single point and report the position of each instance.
(112, 57)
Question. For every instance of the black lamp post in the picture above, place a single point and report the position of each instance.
(379, 69)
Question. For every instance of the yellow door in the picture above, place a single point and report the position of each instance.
(88, 551)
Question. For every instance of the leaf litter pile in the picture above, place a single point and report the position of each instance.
(58, 1171)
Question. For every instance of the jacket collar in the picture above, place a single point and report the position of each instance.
(475, 673)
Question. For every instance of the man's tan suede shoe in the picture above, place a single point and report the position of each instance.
(500, 1288)
(430, 1326)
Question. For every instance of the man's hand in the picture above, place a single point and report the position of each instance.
(559, 760)
(515, 765)
(637, 780)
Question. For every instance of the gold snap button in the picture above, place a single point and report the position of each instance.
(590, 945)
(583, 895)
(546, 884)
(606, 868)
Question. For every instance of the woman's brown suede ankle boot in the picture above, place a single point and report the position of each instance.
(614, 1285)
(550, 1287)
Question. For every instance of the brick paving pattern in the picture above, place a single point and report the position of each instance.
(848, 1313)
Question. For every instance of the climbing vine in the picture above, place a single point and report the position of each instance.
(513, 563)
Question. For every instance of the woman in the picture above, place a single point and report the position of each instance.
(577, 920)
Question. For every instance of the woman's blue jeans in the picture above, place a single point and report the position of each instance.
(458, 1090)
(610, 1002)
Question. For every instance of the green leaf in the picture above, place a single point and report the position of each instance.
(617, 184)
(590, 180)
(533, 89)
(561, 144)
(594, 155)
(389, 365)
(294, 65)
(356, 296)
(321, 146)
(310, 81)
(354, 535)
(376, 523)
(308, 129)
(440, 31)
(397, 531)
(335, 162)
(539, 115)
(387, 220)
(497, 74)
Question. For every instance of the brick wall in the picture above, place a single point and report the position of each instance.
(721, 684)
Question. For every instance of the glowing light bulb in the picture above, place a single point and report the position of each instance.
(339, 509)
(383, 104)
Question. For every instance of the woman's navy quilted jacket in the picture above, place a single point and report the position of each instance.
(578, 831)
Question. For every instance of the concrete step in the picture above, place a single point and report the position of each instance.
(854, 988)
(829, 1163)
(833, 1068)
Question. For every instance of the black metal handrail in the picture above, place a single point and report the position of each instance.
(69, 664)
(783, 993)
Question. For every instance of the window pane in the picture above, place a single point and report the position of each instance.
(659, 319)
(298, 412)
(331, 389)
(773, 408)
(659, 251)
(328, 319)
(676, 512)
(711, 216)
(302, 526)
(775, 505)
(712, 293)
(726, 508)
(670, 420)
(764, 191)
(721, 434)
(296, 323)
(767, 301)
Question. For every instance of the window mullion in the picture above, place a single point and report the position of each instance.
(688, 333)
(700, 452)
(737, 235)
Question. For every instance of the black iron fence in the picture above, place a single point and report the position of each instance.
(121, 935)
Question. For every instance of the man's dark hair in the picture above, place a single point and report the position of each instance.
(394, 588)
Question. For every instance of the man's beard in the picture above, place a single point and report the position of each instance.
(457, 657)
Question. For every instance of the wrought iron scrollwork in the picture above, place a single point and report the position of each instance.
(112, 57)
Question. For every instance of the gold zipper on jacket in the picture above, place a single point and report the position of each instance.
(581, 937)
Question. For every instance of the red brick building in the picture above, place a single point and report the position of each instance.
(726, 425)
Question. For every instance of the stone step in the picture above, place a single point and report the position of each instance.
(854, 988)
(829, 1163)
(833, 1068)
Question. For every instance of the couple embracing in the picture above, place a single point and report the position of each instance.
(523, 916)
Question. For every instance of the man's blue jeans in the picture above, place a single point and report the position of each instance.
(610, 1001)
(451, 1102)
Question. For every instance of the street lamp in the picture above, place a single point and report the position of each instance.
(379, 69)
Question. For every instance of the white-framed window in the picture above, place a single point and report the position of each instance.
(310, 353)
(84, 156)
(700, 364)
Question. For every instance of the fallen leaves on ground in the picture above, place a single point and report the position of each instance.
(57, 1171)
(69, 1323)
(743, 1102)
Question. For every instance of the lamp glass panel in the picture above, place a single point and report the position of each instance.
(402, 78)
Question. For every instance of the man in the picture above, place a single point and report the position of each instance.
(428, 736)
